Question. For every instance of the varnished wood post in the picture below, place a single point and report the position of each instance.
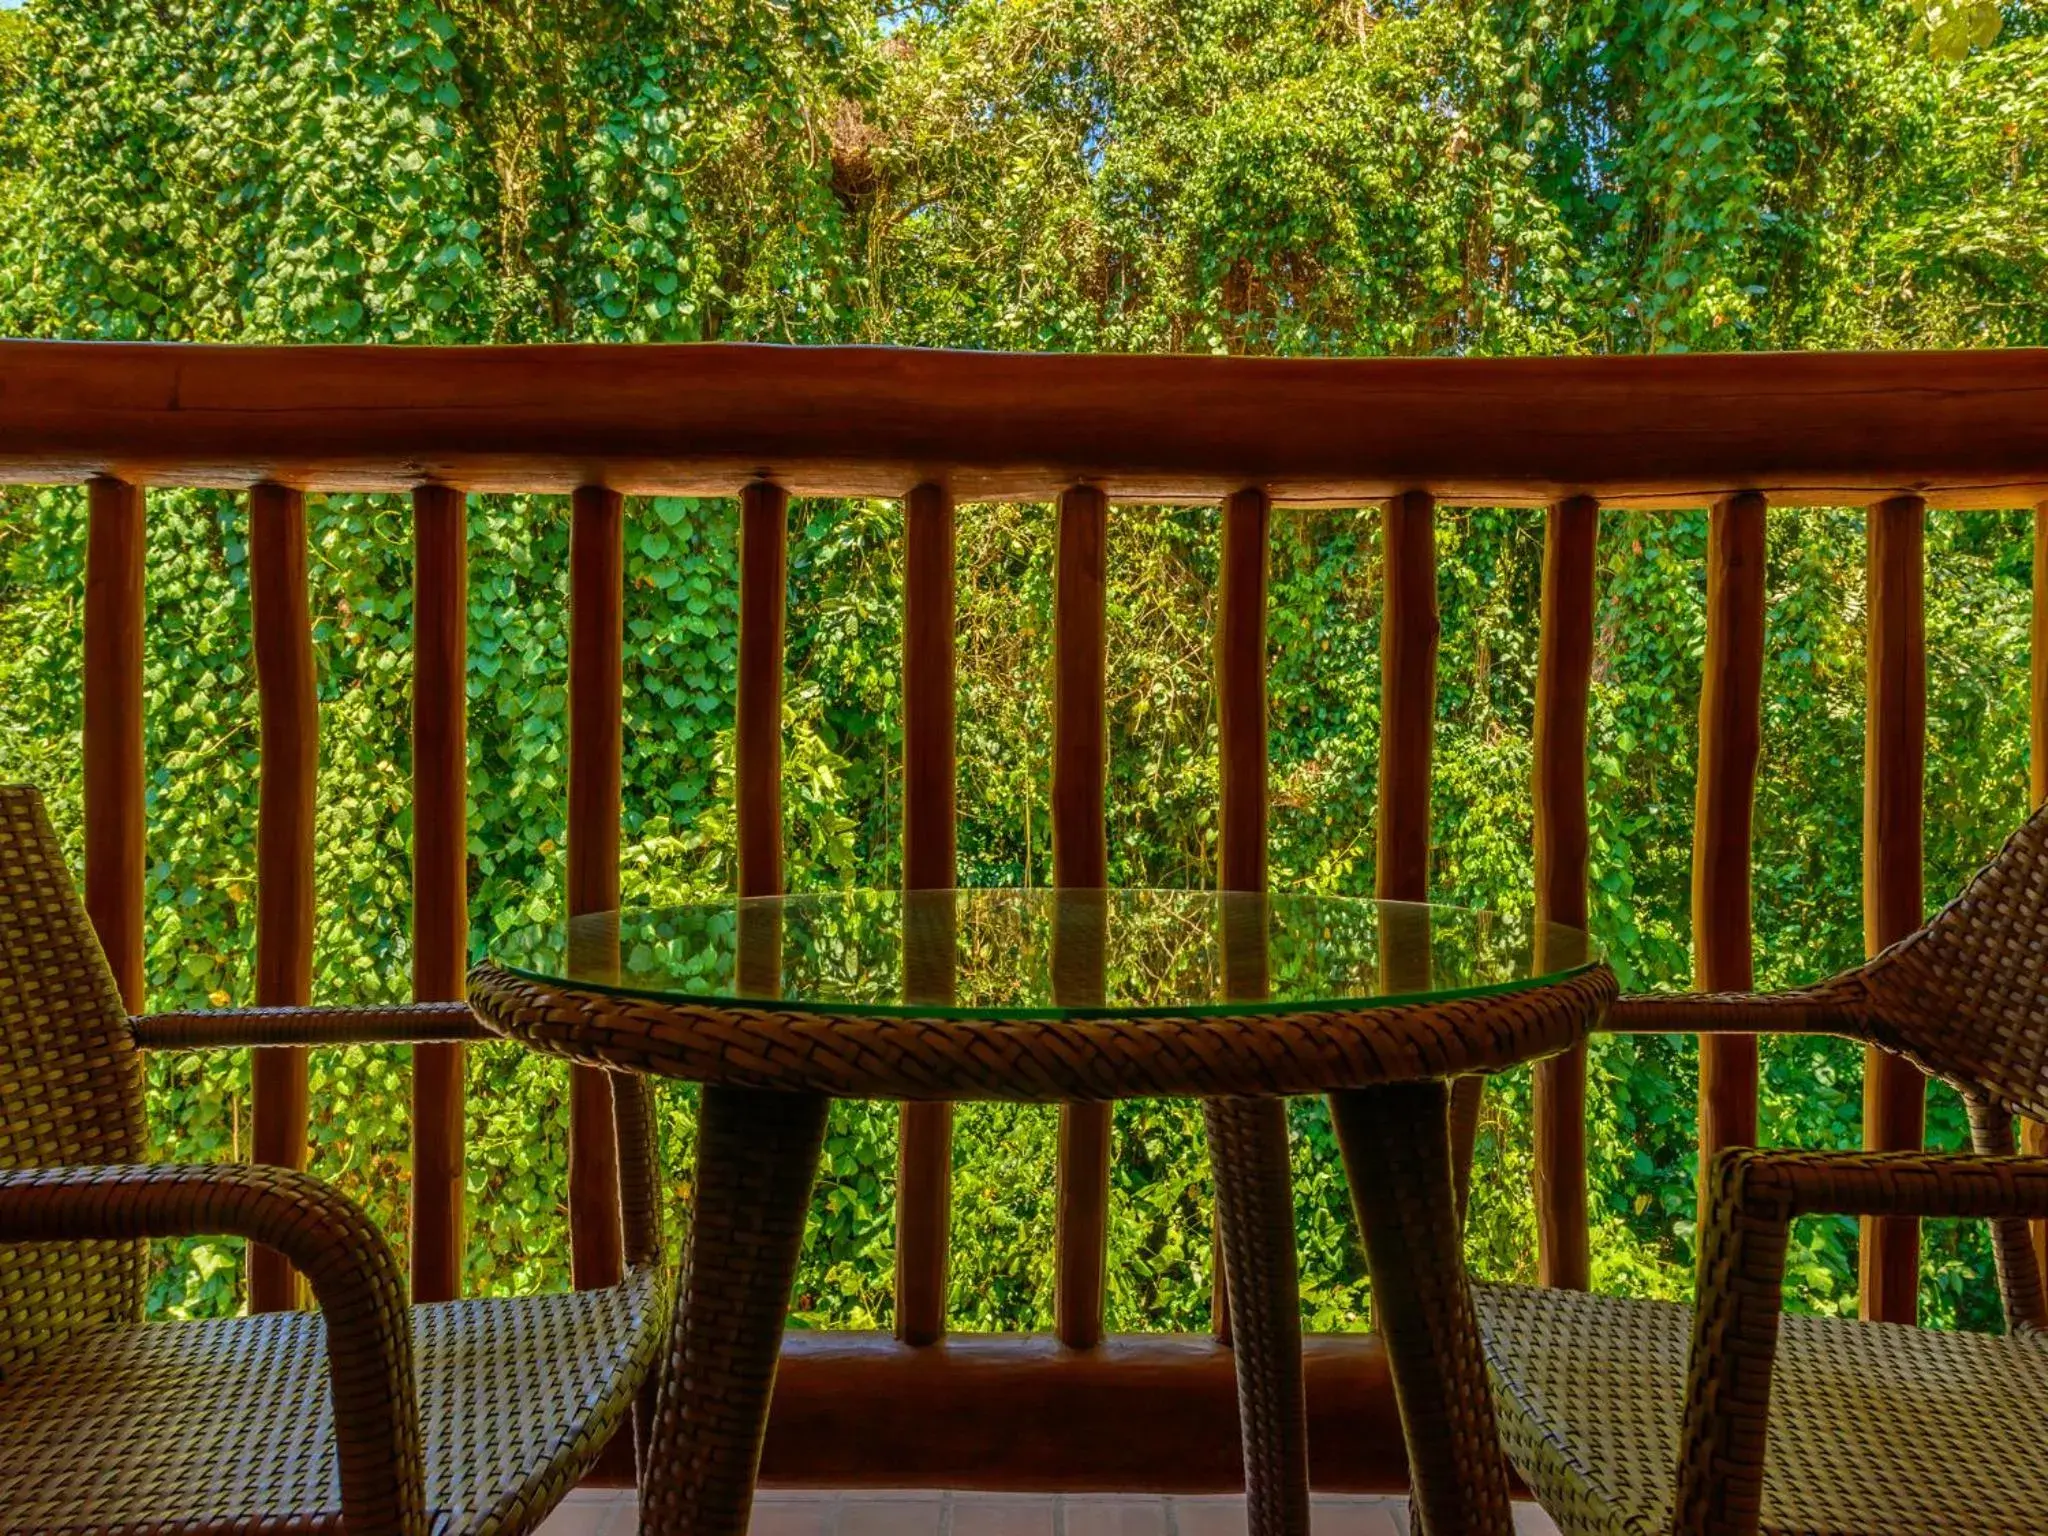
(1241, 693)
(1241, 740)
(924, 1156)
(2033, 1134)
(1080, 860)
(286, 685)
(1257, 1296)
(1409, 630)
(1408, 638)
(1564, 673)
(440, 877)
(1731, 734)
(597, 605)
(1894, 770)
(757, 727)
(757, 731)
(114, 861)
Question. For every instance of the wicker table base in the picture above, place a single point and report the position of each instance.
(1255, 1214)
(771, 1065)
(1397, 1159)
(757, 1160)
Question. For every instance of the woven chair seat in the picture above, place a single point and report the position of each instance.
(227, 1425)
(1875, 1428)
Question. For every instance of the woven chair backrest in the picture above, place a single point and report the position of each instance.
(70, 1084)
(1967, 996)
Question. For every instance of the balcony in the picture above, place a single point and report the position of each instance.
(1382, 461)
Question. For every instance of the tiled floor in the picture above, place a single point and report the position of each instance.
(603, 1512)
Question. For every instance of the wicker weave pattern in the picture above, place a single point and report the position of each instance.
(1965, 998)
(518, 1398)
(848, 1056)
(283, 1423)
(1396, 1141)
(1255, 1215)
(757, 1158)
(1880, 1428)
(70, 1086)
(353, 1274)
(2012, 1239)
(767, 1071)
(1632, 1416)
(214, 1029)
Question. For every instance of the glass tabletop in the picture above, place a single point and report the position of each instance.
(1049, 954)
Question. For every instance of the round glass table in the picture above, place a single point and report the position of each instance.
(778, 1005)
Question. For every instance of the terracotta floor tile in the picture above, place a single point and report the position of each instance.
(793, 1514)
(1342, 1516)
(585, 1512)
(1114, 1515)
(915, 1512)
(1218, 1516)
(991, 1514)
(904, 1514)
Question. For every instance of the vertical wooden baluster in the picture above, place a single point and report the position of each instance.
(1080, 859)
(1258, 1295)
(757, 730)
(924, 1158)
(115, 542)
(1429, 1332)
(1241, 693)
(2033, 1133)
(1409, 629)
(1408, 638)
(440, 880)
(1564, 673)
(1894, 766)
(1731, 733)
(281, 618)
(1242, 753)
(597, 604)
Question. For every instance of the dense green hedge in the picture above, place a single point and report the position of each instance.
(1241, 175)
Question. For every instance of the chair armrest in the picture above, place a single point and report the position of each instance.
(354, 1277)
(1829, 1009)
(208, 1029)
(1752, 1199)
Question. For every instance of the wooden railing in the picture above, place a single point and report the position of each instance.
(1896, 433)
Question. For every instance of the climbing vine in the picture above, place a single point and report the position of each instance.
(1333, 177)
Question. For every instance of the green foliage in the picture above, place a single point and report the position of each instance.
(1269, 176)
(1954, 27)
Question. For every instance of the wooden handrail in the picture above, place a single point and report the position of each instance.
(1959, 428)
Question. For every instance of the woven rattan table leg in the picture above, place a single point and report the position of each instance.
(1255, 1210)
(757, 1158)
(1397, 1159)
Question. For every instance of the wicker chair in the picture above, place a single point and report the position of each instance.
(471, 1416)
(1648, 1416)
